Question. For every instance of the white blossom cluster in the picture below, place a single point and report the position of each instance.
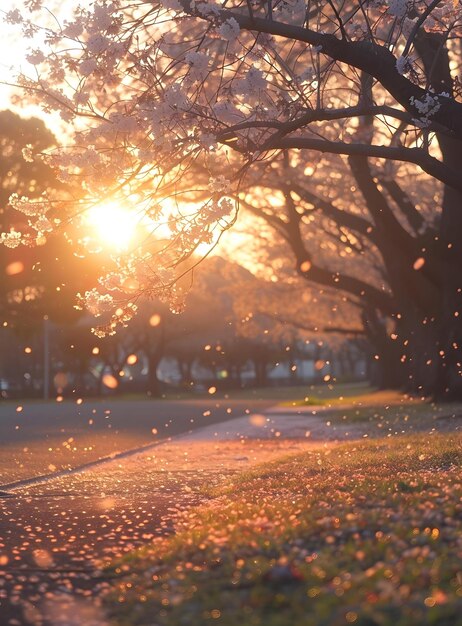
(427, 106)
(252, 84)
(229, 29)
(95, 302)
(36, 210)
(403, 65)
(121, 317)
(220, 184)
(27, 153)
(11, 239)
(199, 65)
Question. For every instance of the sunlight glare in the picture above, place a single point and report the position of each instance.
(113, 224)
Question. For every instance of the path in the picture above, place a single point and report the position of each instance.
(42, 437)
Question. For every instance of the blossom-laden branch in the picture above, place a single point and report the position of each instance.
(175, 101)
(366, 55)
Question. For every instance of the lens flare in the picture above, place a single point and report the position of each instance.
(112, 224)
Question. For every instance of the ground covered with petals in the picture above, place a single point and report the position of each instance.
(366, 533)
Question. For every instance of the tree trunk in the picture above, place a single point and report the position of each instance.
(449, 380)
(238, 375)
(154, 355)
(433, 49)
(386, 371)
(261, 373)
(185, 368)
(154, 384)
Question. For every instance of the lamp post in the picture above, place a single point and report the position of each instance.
(46, 357)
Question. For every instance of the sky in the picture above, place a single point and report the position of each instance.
(13, 49)
(12, 59)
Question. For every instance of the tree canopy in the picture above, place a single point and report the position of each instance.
(176, 105)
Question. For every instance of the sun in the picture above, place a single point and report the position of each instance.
(112, 224)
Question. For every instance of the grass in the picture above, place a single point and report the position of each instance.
(366, 534)
(359, 394)
(306, 395)
(296, 395)
(391, 414)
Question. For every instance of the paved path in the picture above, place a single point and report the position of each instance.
(55, 537)
(43, 437)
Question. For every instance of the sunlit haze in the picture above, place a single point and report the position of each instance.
(114, 225)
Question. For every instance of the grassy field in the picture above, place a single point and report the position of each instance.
(357, 394)
(363, 533)
(309, 395)
(293, 395)
(324, 394)
(406, 411)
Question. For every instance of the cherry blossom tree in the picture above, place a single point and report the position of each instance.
(156, 92)
(361, 257)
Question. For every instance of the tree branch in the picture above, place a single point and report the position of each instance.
(418, 24)
(342, 218)
(403, 202)
(335, 280)
(399, 248)
(322, 115)
(368, 56)
(419, 157)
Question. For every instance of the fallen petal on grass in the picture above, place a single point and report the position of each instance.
(366, 533)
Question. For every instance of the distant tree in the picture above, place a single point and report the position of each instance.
(78, 351)
(38, 279)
